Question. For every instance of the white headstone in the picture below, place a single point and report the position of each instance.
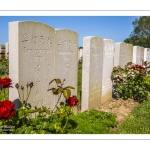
(81, 53)
(129, 53)
(92, 72)
(137, 55)
(120, 56)
(66, 61)
(31, 59)
(142, 54)
(108, 55)
(147, 54)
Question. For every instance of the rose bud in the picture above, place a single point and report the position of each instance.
(17, 85)
(31, 84)
(22, 87)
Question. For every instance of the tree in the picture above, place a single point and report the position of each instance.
(141, 33)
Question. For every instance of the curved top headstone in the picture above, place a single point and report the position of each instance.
(31, 59)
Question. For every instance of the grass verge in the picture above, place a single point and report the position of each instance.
(137, 122)
(91, 122)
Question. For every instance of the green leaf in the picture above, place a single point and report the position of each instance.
(62, 103)
(59, 90)
(58, 81)
(21, 113)
(66, 93)
(29, 129)
(68, 108)
(45, 125)
(54, 90)
(44, 108)
(69, 87)
(62, 115)
(1, 122)
(38, 126)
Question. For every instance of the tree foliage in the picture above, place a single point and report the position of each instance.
(140, 36)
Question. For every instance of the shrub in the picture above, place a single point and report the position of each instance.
(19, 121)
(133, 81)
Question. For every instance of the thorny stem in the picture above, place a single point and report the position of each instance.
(66, 123)
(19, 94)
(63, 82)
(57, 103)
(28, 94)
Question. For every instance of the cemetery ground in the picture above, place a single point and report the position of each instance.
(131, 116)
(116, 116)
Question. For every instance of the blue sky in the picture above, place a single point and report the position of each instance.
(117, 28)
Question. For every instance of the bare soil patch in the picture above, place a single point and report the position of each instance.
(121, 108)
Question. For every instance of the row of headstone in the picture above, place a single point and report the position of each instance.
(4, 50)
(39, 53)
(125, 53)
(99, 58)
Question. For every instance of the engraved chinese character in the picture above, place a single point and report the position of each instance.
(25, 38)
(34, 39)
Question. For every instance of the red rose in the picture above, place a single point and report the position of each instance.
(120, 79)
(140, 67)
(5, 83)
(7, 109)
(72, 101)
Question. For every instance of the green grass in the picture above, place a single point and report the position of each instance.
(91, 122)
(138, 122)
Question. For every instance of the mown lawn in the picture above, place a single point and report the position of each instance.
(138, 122)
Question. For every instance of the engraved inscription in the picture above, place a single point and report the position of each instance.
(25, 38)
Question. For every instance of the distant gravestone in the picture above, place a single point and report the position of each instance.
(78, 54)
(137, 55)
(31, 59)
(147, 54)
(81, 52)
(108, 55)
(92, 72)
(66, 62)
(142, 54)
(120, 56)
(129, 53)
(7, 50)
(2, 51)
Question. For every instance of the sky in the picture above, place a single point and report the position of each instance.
(116, 28)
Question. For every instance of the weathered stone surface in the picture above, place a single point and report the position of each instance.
(92, 72)
(31, 59)
(120, 57)
(108, 56)
(66, 54)
(129, 57)
(147, 54)
(137, 55)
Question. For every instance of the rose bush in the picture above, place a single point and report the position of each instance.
(26, 120)
(132, 81)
